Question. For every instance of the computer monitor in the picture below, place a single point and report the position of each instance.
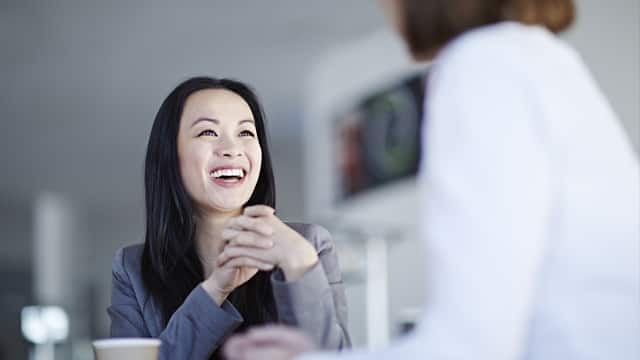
(378, 139)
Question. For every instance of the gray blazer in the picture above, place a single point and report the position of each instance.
(314, 303)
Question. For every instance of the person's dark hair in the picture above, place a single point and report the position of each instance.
(171, 268)
(429, 24)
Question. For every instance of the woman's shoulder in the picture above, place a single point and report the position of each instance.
(316, 234)
(502, 46)
(127, 270)
(128, 259)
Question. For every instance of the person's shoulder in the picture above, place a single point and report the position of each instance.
(495, 56)
(316, 234)
(128, 258)
(500, 46)
(488, 41)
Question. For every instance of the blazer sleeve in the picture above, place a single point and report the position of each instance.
(316, 302)
(196, 329)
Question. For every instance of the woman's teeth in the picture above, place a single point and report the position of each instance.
(238, 173)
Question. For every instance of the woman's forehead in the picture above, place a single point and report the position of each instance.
(219, 104)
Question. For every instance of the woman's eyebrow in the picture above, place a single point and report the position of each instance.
(215, 121)
(250, 121)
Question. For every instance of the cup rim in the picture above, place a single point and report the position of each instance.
(123, 342)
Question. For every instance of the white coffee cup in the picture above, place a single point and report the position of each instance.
(126, 349)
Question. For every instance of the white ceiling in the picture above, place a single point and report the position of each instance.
(82, 80)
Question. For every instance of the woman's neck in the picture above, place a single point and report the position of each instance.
(208, 236)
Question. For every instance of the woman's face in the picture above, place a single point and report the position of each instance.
(218, 150)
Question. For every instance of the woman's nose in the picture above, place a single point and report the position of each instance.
(229, 153)
(228, 149)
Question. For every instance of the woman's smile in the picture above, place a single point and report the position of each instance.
(228, 176)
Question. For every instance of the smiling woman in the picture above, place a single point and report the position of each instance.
(216, 258)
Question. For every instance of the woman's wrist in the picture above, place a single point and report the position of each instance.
(297, 263)
(214, 292)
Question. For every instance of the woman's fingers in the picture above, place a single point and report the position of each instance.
(254, 224)
(246, 238)
(230, 252)
(245, 261)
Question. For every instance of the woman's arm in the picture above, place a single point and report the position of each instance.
(316, 301)
(195, 330)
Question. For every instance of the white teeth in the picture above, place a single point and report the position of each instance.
(227, 172)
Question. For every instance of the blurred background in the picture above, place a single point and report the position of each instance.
(82, 81)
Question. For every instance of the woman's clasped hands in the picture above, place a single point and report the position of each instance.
(257, 240)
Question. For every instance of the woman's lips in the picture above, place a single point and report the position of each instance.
(228, 183)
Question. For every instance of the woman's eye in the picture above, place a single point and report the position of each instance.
(247, 133)
(208, 133)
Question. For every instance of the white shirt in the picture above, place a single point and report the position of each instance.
(532, 208)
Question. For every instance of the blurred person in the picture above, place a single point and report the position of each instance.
(531, 196)
(216, 259)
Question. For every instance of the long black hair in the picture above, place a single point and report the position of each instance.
(171, 268)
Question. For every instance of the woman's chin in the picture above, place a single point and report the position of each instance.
(226, 207)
